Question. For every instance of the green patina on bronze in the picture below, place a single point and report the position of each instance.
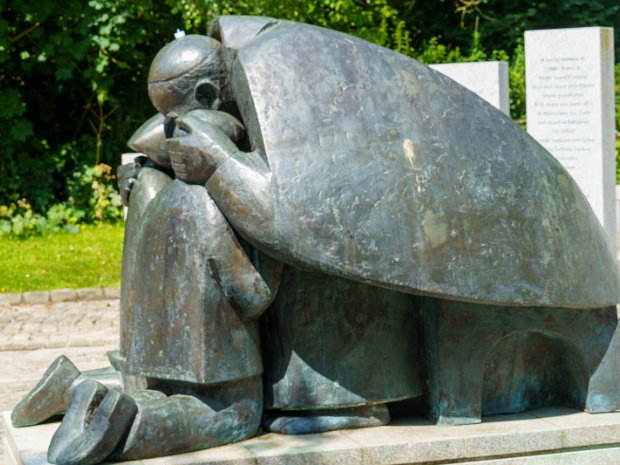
(320, 227)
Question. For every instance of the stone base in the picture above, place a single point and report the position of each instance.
(550, 436)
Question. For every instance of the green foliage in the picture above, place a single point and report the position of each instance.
(617, 92)
(62, 260)
(501, 22)
(18, 219)
(516, 76)
(92, 192)
(373, 20)
(617, 81)
(435, 52)
(66, 68)
(92, 199)
(617, 158)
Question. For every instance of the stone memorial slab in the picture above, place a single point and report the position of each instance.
(487, 79)
(127, 158)
(570, 108)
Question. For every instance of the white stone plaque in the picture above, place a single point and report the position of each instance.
(127, 158)
(488, 79)
(570, 108)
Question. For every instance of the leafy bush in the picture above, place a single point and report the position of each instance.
(617, 159)
(66, 69)
(516, 75)
(501, 22)
(18, 219)
(618, 123)
(374, 20)
(92, 199)
(617, 75)
(93, 194)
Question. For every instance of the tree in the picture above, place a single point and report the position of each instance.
(66, 68)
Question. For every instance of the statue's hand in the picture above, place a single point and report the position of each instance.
(197, 149)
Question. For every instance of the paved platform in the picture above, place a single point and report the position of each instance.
(32, 336)
(550, 436)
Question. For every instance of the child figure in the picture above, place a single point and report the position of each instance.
(190, 364)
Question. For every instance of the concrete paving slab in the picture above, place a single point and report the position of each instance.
(94, 293)
(10, 299)
(32, 336)
(63, 295)
(505, 440)
(332, 448)
(580, 430)
(111, 292)
(35, 297)
(419, 441)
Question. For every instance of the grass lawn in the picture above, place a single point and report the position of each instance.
(91, 258)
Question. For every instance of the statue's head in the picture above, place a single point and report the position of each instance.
(185, 75)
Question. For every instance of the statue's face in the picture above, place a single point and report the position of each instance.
(183, 94)
(185, 75)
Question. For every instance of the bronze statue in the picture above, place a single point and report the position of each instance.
(396, 230)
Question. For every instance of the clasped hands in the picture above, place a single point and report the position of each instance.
(197, 148)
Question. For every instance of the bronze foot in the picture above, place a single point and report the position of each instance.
(95, 423)
(49, 397)
(318, 421)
